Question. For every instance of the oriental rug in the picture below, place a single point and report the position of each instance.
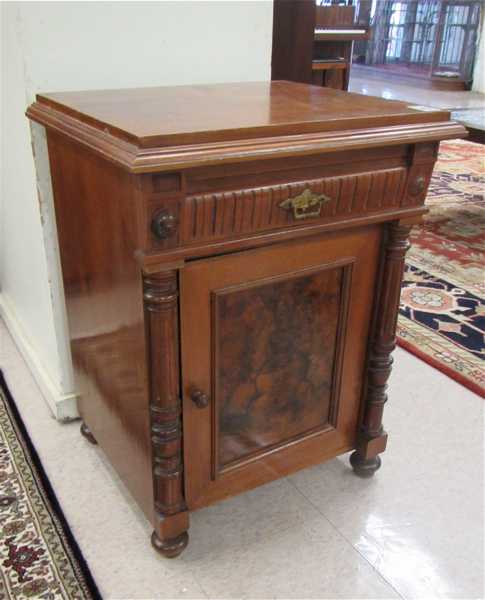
(39, 557)
(442, 312)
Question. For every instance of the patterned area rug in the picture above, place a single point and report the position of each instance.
(442, 313)
(39, 557)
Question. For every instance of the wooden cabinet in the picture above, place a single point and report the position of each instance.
(232, 258)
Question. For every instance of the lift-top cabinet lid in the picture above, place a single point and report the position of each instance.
(163, 128)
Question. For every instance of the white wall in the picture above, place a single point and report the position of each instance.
(25, 302)
(53, 46)
(479, 70)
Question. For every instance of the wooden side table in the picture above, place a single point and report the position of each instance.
(232, 259)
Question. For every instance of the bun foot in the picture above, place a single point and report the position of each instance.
(170, 548)
(86, 432)
(364, 467)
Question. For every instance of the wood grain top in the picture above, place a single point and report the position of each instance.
(164, 116)
(169, 128)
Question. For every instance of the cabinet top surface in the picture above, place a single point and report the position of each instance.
(181, 115)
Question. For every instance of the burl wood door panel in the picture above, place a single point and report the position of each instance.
(276, 338)
(274, 350)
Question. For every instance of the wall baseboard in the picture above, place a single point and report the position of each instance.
(63, 406)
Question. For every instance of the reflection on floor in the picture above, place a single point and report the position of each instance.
(466, 107)
(374, 86)
(413, 531)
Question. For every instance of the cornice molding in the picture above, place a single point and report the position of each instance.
(136, 159)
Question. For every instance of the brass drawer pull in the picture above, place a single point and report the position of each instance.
(200, 399)
(306, 205)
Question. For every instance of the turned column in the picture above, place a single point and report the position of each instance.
(372, 438)
(160, 294)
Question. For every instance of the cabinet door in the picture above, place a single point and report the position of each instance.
(275, 339)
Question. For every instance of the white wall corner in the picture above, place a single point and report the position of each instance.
(62, 405)
(53, 259)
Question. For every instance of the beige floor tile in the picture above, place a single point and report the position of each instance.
(323, 533)
(419, 521)
(246, 519)
(391, 90)
(308, 560)
(425, 561)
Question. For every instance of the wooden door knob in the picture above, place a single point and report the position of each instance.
(164, 224)
(200, 399)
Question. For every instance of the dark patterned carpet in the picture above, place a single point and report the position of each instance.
(39, 557)
(442, 314)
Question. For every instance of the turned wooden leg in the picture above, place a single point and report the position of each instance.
(170, 548)
(372, 438)
(170, 537)
(160, 294)
(364, 467)
(86, 432)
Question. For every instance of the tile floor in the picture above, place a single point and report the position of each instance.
(415, 530)
(377, 86)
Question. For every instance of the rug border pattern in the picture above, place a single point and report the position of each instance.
(50, 518)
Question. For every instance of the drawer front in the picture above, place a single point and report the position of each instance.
(220, 215)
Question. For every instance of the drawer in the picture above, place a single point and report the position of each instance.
(188, 219)
(232, 213)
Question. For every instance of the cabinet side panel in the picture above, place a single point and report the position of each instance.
(96, 223)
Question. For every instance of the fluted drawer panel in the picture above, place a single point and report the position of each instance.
(224, 214)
